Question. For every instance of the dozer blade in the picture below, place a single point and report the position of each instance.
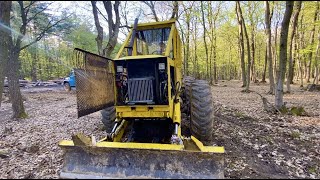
(147, 161)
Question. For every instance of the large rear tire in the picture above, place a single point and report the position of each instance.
(185, 105)
(108, 116)
(201, 117)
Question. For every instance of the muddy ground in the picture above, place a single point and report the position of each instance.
(258, 144)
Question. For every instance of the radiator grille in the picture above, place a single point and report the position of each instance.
(140, 90)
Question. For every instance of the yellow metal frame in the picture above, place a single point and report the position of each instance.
(153, 146)
(172, 110)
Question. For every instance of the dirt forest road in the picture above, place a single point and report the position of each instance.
(258, 144)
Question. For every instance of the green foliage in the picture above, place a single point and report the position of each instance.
(298, 111)
(23, 115)
(240, 114)
(284, 110)
(295, 134)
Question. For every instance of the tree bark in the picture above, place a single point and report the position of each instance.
(215, 78)
(248, 46)
(5, 7)
(99, 37)
(151, 6)
(283, 54)
(241, 42)
(253, 73)
(113, 27)
(265, 65)
(311, 43)
(15, 49)
(316, 78)
(204, 40)
(175, 10)
(187, 17)
(196, 68)
(275, 54)
(294, 27)
(14, 86)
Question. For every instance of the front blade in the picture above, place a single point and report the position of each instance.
(102, 162)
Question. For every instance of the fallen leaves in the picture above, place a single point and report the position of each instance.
(282, 146)
(32, 143)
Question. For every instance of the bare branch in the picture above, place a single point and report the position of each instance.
(151, 5)
(124, 26)
(34, 16)
(102, 14)
(43, 32)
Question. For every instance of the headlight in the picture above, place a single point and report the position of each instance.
(162, 66)
(119, 69)
(67, 78)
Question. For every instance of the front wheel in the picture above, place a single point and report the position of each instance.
(67, 87)
(108, 117)
(201, 111)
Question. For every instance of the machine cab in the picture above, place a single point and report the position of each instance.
(146, 65)
(145, 72)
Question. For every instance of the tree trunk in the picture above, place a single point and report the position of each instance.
(294, 27)
(311, 43)
(113, 27)
(196, 65)
(265, 65)
(299, 45)
(14, 86)
(241, 43)
(5, 7)
(248, 46)
(151, 6)
(188, 47)
(204, 40)
(283, 54)
(215, 78)
(275, 54)
(316, 62)
(252, 73)
(99, 37)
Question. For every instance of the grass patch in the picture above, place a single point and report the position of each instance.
(295, 134)
(295, 111)
(269, 139)
(312, 169)
(23, 115)
(298, 111)
(240, 114)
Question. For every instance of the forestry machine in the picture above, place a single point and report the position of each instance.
(143, 97)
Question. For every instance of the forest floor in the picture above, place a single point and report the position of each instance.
(258, 144)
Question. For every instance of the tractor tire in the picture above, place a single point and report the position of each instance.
(186, 84)
(201, 118)
(67, 87)
(108, 116)
(185, 105)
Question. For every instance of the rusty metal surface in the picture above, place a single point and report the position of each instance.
(97, 162)
(94, 82)
(94, 90)
(87, 60)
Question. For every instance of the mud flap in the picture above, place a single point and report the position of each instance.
(94, 82)
(101, 162)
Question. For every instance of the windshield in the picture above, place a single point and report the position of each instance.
(152, 41)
